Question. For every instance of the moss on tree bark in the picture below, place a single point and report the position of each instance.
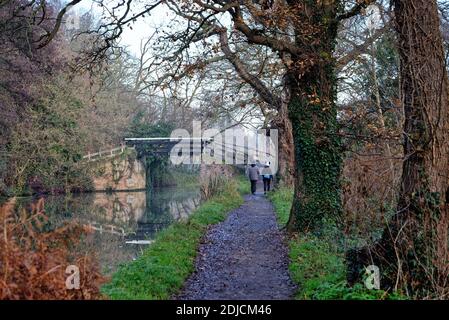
(318, 153)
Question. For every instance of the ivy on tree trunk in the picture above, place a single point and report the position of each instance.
(313, 114)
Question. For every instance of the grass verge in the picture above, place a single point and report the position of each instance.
(317, 265)
(162, 269)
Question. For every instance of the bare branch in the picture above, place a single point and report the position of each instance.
(357, 9)
(49, 36)
(255, 82)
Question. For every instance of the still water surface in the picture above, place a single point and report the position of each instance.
(123, 223)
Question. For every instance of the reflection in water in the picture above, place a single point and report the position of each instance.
(123, 222)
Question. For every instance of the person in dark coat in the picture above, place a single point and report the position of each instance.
(253, 175)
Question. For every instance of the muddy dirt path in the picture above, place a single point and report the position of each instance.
(242, 258)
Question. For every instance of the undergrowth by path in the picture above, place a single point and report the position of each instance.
(316, 265)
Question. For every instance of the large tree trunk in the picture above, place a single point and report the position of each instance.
(412, 253)
(313, 114)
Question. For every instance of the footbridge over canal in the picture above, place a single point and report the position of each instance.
(123, 168)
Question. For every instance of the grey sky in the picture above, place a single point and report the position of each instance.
(141, 29)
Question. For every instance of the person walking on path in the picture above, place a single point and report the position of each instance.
(253, 174)
(267, 177)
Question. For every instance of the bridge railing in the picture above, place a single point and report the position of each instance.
(102, 154)
(106, 228)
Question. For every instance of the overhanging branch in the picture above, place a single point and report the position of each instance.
(264, 92)
(46, 39)
(357, 9)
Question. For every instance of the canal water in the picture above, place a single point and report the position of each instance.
(123, 224)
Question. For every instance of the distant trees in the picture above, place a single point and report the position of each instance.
(29, 130)
(45, 149)
(51, 115)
